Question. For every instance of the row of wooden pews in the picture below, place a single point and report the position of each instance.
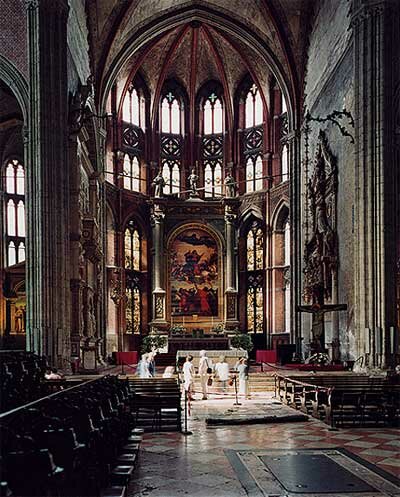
(342, 399)
(157, 403)
(21, 378)
(81, 441)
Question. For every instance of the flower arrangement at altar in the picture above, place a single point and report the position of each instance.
(218, 328)
(177, 329)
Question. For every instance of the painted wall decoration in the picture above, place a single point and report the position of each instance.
(194, 275)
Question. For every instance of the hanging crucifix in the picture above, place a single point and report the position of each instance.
(318, 323)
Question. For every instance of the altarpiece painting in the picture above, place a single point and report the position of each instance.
(194, 274)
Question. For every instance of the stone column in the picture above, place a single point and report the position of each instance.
(293, 143)
(231, 293)
(376, 32)
(159, 294)
(47, 200)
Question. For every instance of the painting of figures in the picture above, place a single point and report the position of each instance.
(193, 275)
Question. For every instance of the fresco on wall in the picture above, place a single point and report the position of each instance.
(194, 278)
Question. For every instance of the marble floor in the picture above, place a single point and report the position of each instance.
(173, 464)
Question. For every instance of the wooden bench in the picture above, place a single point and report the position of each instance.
(356, 399)
(79, 441)
(157, 403)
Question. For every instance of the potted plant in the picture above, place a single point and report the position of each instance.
(242, 341)
(153, 342)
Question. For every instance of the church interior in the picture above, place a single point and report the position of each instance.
(206, 178)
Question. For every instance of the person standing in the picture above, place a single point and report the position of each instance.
(188, 376)
(152, 364)
(143, 367)
(243, 372)
(222, 372)
(204, 372)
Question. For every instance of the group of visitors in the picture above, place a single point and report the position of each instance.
(146, 367)
(220, 372)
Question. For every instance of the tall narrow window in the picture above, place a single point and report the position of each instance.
(133, 306)
(287, 274)
(255, 279)
(285, 163)
(171, 142)
(131, 173)
(212, 145)
(170, 115)
(14, 207)
(253, 140)
(131, 107)
(133, 279)
(132, 248)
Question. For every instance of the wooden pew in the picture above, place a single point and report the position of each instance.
(157, 403)
(356, 399)
(85, 432)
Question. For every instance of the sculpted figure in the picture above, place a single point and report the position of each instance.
(159, 184)
(230, 185)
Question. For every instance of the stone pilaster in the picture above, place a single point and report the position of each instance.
(47, 199)
(375, 26)
(231, 293)
(159, 294)
(293, 143)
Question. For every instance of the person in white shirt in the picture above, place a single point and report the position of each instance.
(143, 367)
(222, 371)
(204, 371)
(243, 371)
(188, 375)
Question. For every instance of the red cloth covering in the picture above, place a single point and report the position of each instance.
(126, 357)
(266, 356)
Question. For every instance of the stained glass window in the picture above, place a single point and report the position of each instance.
(212, 145)
(253, 108)
(131, 107)
(285, 163)
(254, 173)
(132, 248)
(170, 114)
(255, 307)
(132, 310)
(171, 175)
(131, 173)
(255, 279)
(132, 278)
(287, 273)
(253, 140)
(14, 198)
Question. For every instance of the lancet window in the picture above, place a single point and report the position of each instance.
(286, 259)
(255, 279)
(132, 250)
(14, 206)
(131, 111)
(132, 140)
(131, 173)
(171, 142)
(253, 140)
(212, 146)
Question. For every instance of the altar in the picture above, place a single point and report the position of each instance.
(231, 356)
(204, 343)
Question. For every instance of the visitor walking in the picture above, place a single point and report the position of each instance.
(243, 371)
(222, 372)
(143, 367)
(205, 370)
(188, 376)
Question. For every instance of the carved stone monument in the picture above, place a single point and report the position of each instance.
(321, 255)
